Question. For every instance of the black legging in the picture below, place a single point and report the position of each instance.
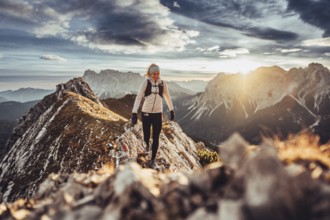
(154, 120)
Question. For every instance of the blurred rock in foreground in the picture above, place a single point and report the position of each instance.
(274, 181)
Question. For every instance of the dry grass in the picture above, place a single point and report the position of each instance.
(88, 126)
(304, 148)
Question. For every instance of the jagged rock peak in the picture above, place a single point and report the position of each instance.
(108, 72)
(79, 86)
(316, 67)
(269, 70)
(61, 135)
(76, 85)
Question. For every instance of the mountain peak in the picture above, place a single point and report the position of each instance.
(315, 67)
(79, 86)
(268, 70)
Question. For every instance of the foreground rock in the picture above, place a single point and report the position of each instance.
(275, 180)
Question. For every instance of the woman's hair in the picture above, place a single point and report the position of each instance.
(148, 74)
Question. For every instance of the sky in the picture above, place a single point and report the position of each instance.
(46, 42)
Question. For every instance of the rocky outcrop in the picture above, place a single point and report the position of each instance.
(177, 152)
(275, 180)
(77, 85)
(67, 131)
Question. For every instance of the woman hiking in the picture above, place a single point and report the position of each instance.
(153, 89)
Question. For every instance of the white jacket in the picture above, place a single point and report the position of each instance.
(153, 103)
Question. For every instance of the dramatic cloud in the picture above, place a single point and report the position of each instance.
(314, 12)
(115, 26)
(238, 15)
(16, 9)
(52, 57)
(272, 34)
(183, 36)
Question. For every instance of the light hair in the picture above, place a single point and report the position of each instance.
(148, 74)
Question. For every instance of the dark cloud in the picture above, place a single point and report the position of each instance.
(15, 15)
(12, 7)
(52, 57)
(315, 12)
(271, 34)
(100, 23)
(126, 28)
(213, 11)
(238, 15)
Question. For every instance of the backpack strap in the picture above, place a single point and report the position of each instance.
(148, 90)
(161, 88)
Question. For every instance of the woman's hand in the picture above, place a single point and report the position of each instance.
(172, 115)
(134, 118)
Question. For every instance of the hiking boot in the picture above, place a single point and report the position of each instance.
(154, 165)
(146, 151)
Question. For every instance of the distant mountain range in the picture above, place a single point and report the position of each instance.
(10, 112)
(268, 100)
(24, 94)
(115, 84)
(194, 85)
(6, 129)
(2, 99)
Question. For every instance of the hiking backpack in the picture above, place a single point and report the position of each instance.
(160, 88)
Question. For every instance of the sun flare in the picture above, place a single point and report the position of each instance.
(243, 66)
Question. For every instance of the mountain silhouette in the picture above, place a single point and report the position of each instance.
(24, 94)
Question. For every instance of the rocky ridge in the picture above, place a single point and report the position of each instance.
(72, 131)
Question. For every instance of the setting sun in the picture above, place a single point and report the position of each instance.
(243, 66)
